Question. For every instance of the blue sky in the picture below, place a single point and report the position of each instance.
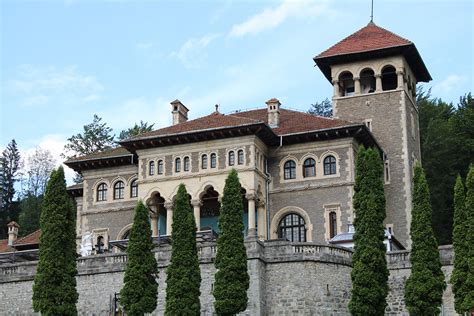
(63, 61)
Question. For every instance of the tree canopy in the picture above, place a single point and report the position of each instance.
(136, 130)
(323, 108)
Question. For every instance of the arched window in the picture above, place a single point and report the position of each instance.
(177, 165)
(290, 170)
(389, 78)
(102, 192)
(367, 81)
(240, 157)
(292, 227)
(204, 162)
(332, 224)
(329, 165)
(231, 158)
(346, 81)
(160, 167)
(309, 168)
(151, 168)
(186, 164)
(119, 190)
(213, 160)
(134, 188)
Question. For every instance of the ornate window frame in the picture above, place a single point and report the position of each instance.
(274, 226)
(328, 209)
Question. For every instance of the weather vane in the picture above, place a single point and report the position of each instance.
(372, 12)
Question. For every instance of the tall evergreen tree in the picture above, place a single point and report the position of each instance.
(369, 273)
(139, 293)
(323, 108)
(468, 304)
(232, 279)
(54, 288)
(461, 247)
(424, 288)
(183, 277)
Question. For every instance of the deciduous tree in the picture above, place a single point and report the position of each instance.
(232, 279)
(424, 288)
(183, 277)
(54, 288)
(139, 293)
(369, 273)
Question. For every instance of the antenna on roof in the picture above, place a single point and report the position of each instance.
(372, 12)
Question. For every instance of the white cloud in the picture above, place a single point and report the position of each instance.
(270, 18)
(192, 53)
(449, 84)
(37, 85)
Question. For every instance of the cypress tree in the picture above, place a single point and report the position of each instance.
(183, 277)
(369, 273)
(140, 289)
(461, 247)
(468, 304)
(54, 288)
(232, 279)
(425, 286)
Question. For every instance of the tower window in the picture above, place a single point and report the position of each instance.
(151, 168)
(102, 192)
(160, 167)
(289, 170)
(329, 165)
(346, 80)
(389, 78)
(134, 189)
(309, 168)
(240, 157)
(186, 163)
(292, 227)
(177, 165)
(367, 81)
(204, 162)
(119, 189)
(213, 160)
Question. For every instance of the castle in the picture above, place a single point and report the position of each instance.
(297, 175)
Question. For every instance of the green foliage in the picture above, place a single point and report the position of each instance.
(424, 288)
(139, 293)
(369, 273)
(183, 277)
(445, 129)
(10, 165)
(30, 212)
(468, 304)
(323, 108)
(232, 279)
(461, 247)
(136, 130)
(54, 288)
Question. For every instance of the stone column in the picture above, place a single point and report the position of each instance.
(154, 220)
(262, 228)
(251, 206)
(378, 83)
(356, 85)
(335, 83)
(169, 217)
(400, 81)
(197, 213)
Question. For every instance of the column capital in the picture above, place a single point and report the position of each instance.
(250, 196)
(378, 75)
(400, 72)
(196, 203)
(356, 78)
(335, 81)
(260, 203)
(168, 205)
(153, 208)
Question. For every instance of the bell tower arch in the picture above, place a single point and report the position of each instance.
(374, 74)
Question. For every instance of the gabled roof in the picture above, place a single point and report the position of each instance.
(372, 41)
(30, 241)
(370, 37)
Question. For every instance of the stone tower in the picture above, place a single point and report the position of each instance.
(374, 73)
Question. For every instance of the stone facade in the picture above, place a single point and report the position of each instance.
(285, 279)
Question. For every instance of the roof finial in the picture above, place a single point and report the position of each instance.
(372, 13)
(217, 107)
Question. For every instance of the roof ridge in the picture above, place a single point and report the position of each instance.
(29, 235)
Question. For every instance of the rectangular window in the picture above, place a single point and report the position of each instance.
(387, 171)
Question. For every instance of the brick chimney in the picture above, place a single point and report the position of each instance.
(273, 109)
(180, 112)
(12, 232)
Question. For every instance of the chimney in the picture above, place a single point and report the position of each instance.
(12, 232)
(273, 109)
(180, 112)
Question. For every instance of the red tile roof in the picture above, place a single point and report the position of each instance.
(33, 238)
(4, 247)
(108, 153)
(368, 38)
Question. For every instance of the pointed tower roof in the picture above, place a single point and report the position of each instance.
(372, 41)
